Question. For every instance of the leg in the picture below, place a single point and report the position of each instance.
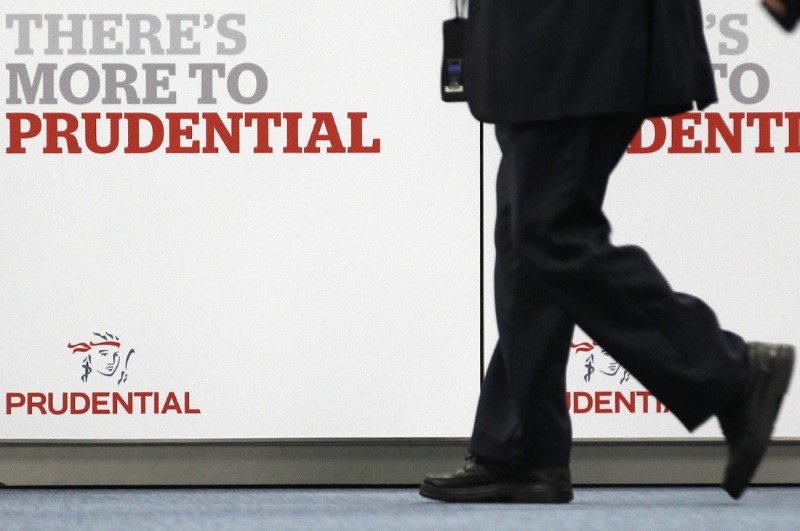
(557, 267)
(522, 415)
(669, 341)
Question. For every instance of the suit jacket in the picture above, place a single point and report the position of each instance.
(530, 60)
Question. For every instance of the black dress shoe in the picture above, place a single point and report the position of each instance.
(787, 20)
(748, 421)
(480, 481)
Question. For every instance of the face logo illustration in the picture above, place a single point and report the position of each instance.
(598, 360)
(102, 356)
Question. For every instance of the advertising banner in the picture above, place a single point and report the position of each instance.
(234, 220)
(712, 196)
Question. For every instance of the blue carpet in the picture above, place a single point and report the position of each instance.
(613, 509)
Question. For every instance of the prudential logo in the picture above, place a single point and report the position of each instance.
(105, 360)
(606, 386)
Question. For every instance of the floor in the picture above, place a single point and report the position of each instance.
(684, 508)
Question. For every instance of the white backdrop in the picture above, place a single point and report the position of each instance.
(723, 226)
(291, 295)
(335, 295)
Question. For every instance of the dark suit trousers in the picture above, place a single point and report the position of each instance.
(555, 268)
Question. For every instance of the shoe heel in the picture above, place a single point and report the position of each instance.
(783, 366)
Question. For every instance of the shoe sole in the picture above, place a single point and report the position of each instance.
(736, 482)
(499, 493)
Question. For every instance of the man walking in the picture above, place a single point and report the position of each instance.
(569, 83)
